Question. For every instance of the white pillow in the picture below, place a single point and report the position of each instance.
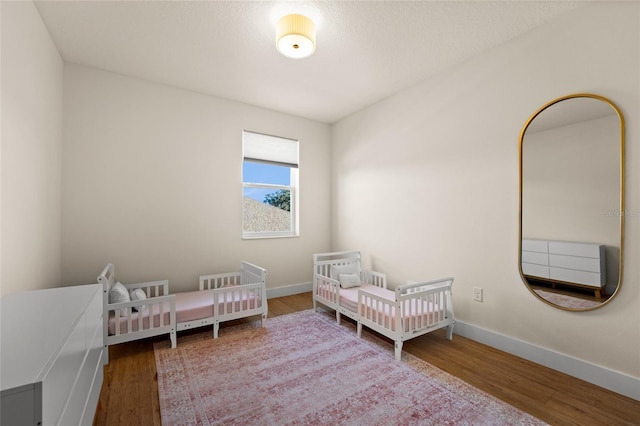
(119, 294)
(335, 271)
(138, 294)
(349, 280)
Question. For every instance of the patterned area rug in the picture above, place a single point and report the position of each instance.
(304, 369)
(567, 301)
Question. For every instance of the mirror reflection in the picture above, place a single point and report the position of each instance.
(571, 201)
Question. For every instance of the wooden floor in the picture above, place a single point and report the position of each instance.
(130, 394)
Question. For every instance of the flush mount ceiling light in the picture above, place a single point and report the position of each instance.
(295, 36)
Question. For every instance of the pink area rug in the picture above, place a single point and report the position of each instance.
(567, 301)
(304, 369)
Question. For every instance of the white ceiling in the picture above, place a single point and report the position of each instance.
(366, 50)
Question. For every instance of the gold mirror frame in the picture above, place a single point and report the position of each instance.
(621, 212)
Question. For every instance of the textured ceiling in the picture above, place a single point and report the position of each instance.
(366, 50)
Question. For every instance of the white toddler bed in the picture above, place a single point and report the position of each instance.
(137, 311)
(411, 310)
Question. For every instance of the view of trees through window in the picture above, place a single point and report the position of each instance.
(280, 199)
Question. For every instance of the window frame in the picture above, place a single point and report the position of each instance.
(293, 188)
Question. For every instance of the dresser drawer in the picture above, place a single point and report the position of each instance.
(85, 386)
(540, 246)
(60, 378)
(591, 279)
(535, 257)
(576, 249)
(535, 270)
(587, 264)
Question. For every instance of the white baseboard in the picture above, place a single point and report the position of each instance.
(609, 379)
(289, 290)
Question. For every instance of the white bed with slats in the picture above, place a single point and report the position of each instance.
(221, 297)
(411, 310)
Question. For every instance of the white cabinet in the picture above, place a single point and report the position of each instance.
(51, 365)
(571, 263)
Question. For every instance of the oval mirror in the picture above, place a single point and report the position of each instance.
(572, 202)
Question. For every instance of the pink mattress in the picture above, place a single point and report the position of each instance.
(349, 296)
(417, 314)
(190, 306)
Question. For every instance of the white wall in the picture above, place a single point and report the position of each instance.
(152, 182)
(425, 183)
(31, 151)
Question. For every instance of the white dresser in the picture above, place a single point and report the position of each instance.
(566, 262)
(51, 366)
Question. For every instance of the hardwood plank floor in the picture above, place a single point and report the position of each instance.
(130, 393)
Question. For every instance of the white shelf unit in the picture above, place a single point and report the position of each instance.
(52, 356)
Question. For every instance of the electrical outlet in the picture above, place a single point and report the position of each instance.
(477, 294)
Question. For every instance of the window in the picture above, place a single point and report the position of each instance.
(269, 186)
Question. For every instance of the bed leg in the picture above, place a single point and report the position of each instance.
(450, 332)
(172, 337)
(338, 317)
(315, 305)
(216, 328)
(264, 320)
(398, 350)
(359, 329)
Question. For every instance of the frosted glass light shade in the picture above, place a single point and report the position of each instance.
(295, 36)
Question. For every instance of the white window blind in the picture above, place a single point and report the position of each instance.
(269, 149)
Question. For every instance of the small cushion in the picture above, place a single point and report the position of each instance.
(138, 294)
(349, 280)
(335, 271)
(119, 294)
